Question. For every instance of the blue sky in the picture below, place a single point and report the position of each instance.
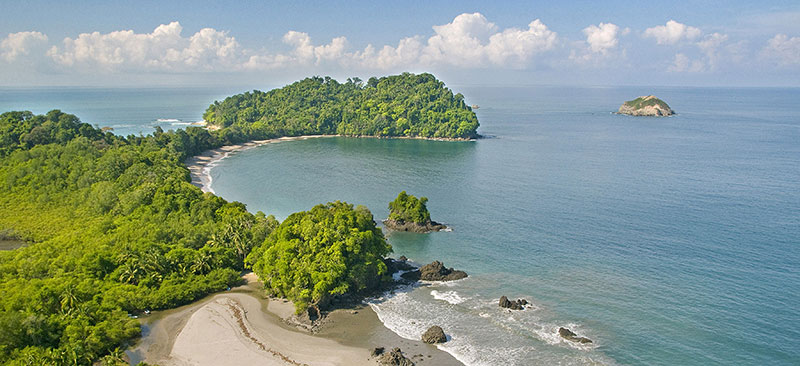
(107, 43)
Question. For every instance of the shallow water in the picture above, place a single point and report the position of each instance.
(666, 241)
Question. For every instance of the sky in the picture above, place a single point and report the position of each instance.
(253, 43)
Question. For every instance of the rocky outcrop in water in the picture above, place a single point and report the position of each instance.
(395, 265)
(435, 271)
(433, 335)
(394, 358)
(518, 304)
(646, 106)
(413, 226)
(570, 336)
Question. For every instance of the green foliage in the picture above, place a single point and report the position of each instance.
(400, 105)
(117, 228)
(329, 250)
(407, 208)
(642, 102)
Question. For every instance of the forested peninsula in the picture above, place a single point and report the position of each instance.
(405, 105)
(115, 227)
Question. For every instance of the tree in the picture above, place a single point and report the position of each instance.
(407, 208)
(332, 249)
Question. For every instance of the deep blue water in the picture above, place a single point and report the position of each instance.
(665, 240)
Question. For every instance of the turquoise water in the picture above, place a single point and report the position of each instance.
(666, 241)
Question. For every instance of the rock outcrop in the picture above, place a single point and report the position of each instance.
(394, 358)
(433, 335)
(518, 304)
(570, 336)
(646, 106)
(394, 265)
(413, 226)
(435, 271)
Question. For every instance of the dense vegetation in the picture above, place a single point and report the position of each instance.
(329, 250)
(118, 229)
(400, 105)
(408, 208)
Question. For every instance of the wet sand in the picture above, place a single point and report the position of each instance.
(240, 327)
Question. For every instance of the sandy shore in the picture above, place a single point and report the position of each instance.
(242, 328)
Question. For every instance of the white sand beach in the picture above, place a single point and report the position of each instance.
(240, 327)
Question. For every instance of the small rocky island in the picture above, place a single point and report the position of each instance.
(409, 213)
(646, 106)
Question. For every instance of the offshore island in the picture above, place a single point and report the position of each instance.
(646, 106)
(114, 231)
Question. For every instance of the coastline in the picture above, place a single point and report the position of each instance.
(200, 165)
(356, 332)
(242, 327)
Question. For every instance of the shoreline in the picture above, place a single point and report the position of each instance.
(360, 329)
(200, 165)
(242, 327)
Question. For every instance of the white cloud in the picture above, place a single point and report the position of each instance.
(19, 44)
(164, 48)
(470, 40)
(601, 45)
(601, 38)
(783, 50)
(672, 33)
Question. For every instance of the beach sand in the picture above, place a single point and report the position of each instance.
(240, 327)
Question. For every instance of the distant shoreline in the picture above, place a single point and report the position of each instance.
(200, 165)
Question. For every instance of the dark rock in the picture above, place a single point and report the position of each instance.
(394, 266)
(433, 335)
(436, 271)
(394, 358)
(504, 303)
(399, 225)
(412, 276)
(377, 351)
(518, 304)
(402, 258)
(571, 336)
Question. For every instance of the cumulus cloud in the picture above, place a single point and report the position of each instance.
(20, 44)
(601, 38)
(672, 33)
(164, 48)
(783, 50)
(470, 40)
(600, 46)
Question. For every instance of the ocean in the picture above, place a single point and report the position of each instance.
(666, 241)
